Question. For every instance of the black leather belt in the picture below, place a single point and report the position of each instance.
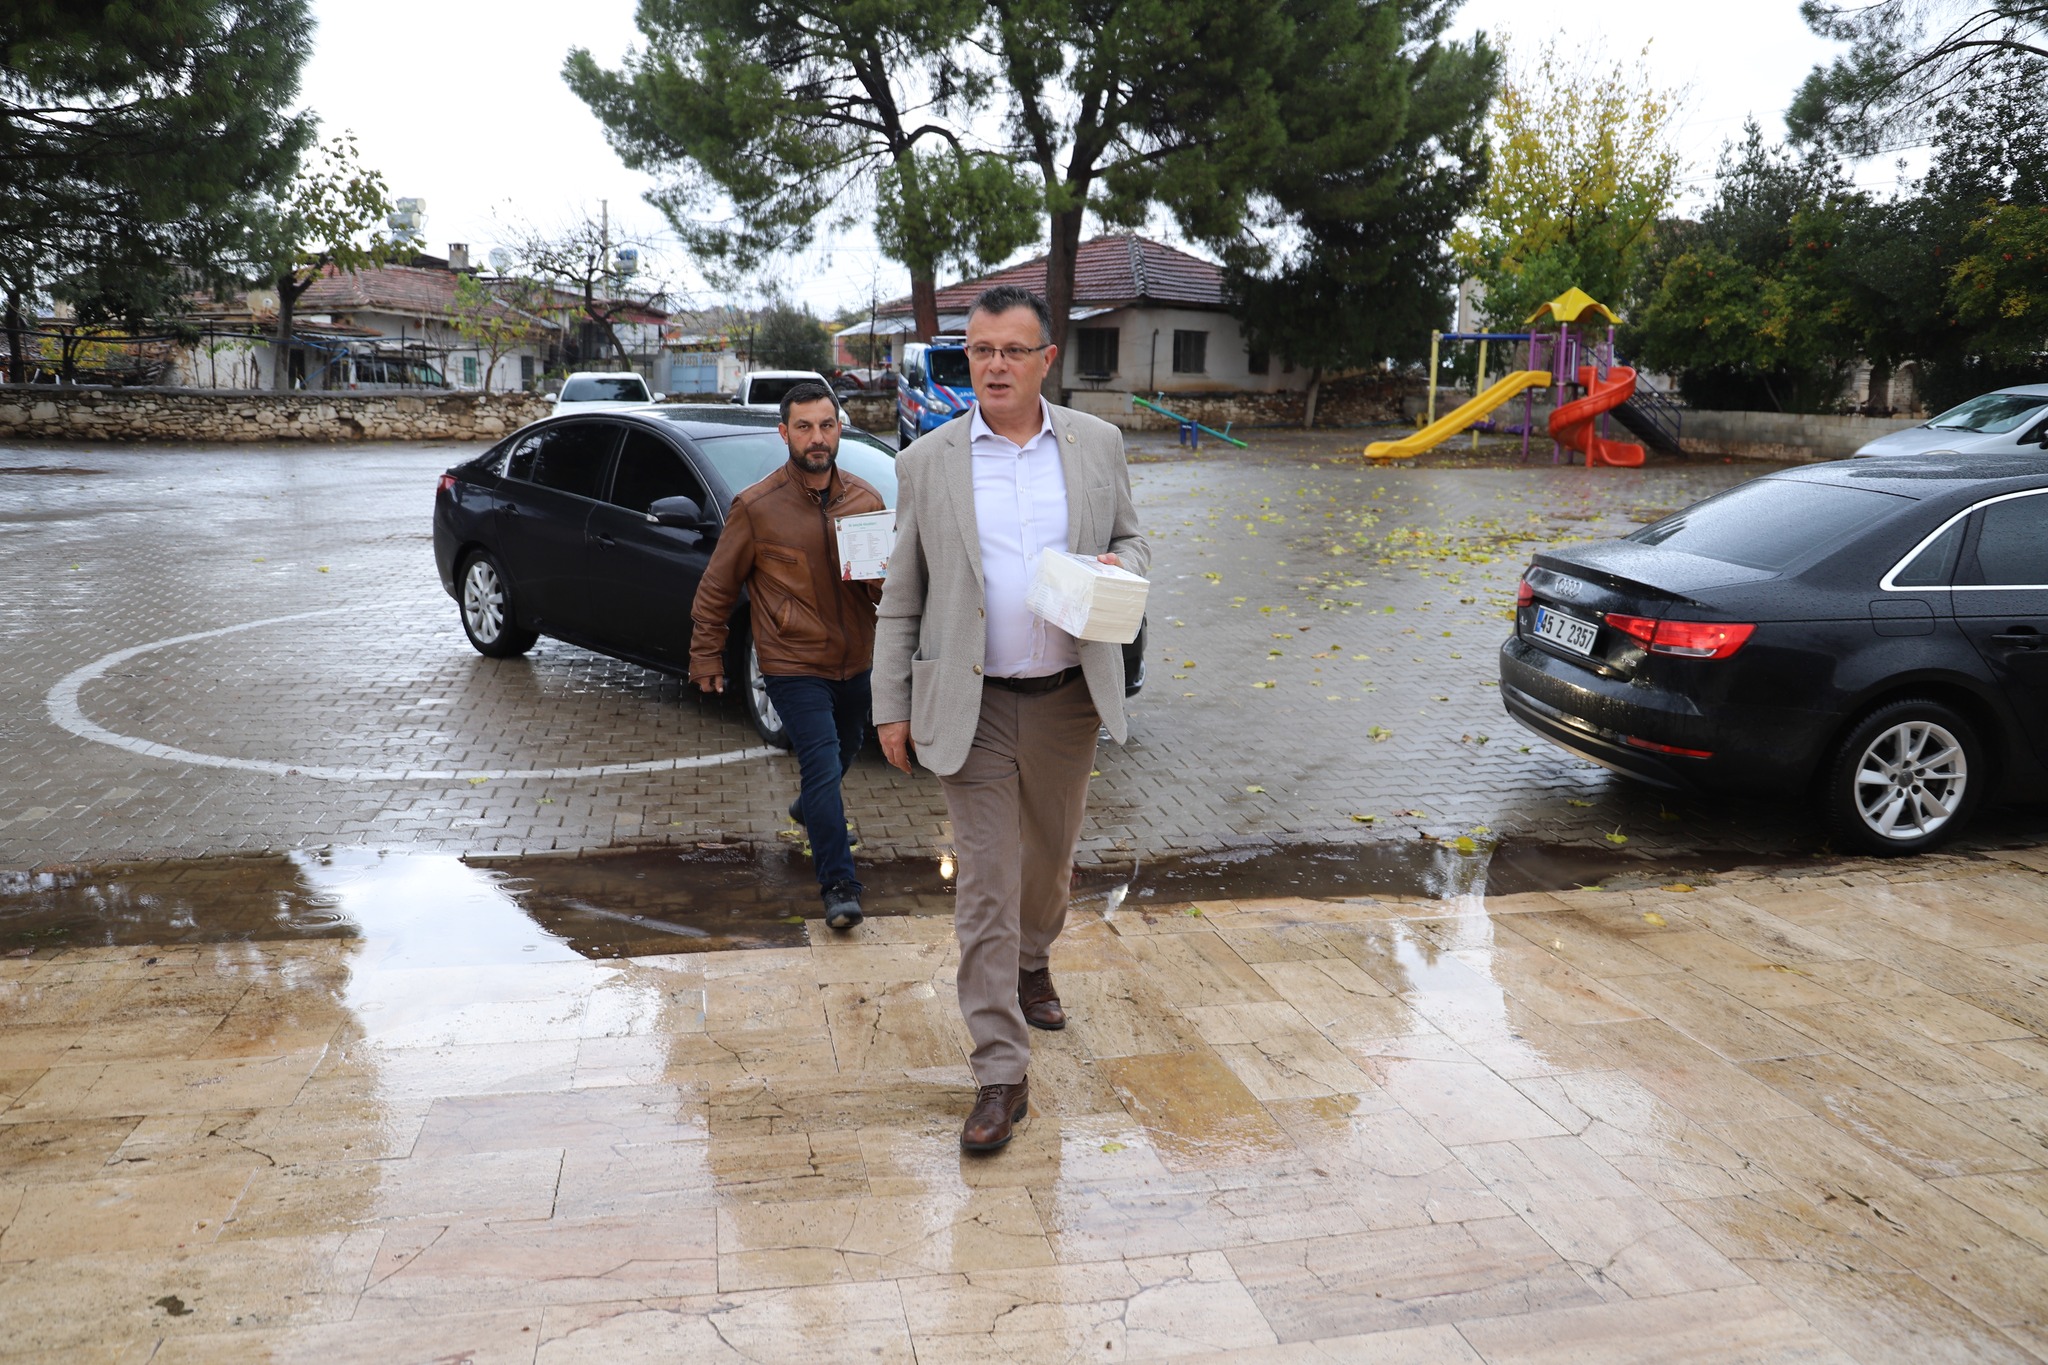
(1051, 682)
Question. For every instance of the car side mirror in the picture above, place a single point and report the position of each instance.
(551, 394)
(658, 397)
(682, 513)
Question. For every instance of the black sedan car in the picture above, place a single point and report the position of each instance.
(595, 529)
(1875, 632)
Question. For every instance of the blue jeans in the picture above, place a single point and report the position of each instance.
(826, 721)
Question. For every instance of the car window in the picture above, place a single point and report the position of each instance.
(948, 367)
(746, 459)
(650, 469)
(2011, 550)
(1936, 561)
(1991, 413)
(1769, 523)
(760, 391)
(569, 458)
(583, 388)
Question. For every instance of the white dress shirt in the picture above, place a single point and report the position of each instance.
(1020, 508)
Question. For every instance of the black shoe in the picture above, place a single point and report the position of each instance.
(796, 811)
(842, 905)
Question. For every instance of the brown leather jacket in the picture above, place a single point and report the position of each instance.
(779, 544)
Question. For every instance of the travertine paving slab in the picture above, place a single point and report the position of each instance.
(1645, 1125)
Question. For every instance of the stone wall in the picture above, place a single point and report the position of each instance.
(1783, 435)
(874, 412)
(1355, 401)
(45, 412)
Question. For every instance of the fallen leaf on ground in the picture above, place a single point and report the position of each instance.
(1652, 917)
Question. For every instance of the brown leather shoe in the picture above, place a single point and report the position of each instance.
(997, 1109)
(1040, 1001)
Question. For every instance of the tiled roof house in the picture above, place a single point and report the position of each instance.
(1147, 318)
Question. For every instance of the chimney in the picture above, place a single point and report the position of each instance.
(458, 255)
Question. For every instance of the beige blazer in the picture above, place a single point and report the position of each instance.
(932, 636)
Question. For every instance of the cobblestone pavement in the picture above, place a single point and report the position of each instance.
(256, 642)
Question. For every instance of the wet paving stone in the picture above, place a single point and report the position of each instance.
(356, 1104)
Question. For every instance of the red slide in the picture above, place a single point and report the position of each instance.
(1572, 424)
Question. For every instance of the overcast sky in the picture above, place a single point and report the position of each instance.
(464, 107)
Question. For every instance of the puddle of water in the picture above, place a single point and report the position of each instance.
(698, 900)
(1415, 867)
(658, 901)
(206, 900)
(623, 905)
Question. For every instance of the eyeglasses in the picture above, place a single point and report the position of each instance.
(1016, 355)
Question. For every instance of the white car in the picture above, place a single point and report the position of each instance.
(763, 389)
(2009, 420)
(606, 392)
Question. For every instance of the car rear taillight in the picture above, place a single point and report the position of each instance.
(1524, 594)
(447, 484)
(1687, 639)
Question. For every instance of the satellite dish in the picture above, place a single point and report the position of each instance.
(501, 259)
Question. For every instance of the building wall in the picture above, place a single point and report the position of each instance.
(225, 363)
(448, 348)
(676, 368)
(1142, 369)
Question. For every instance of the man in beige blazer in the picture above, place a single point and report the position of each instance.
(1002, 705)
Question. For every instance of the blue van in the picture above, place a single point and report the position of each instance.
(933, 386)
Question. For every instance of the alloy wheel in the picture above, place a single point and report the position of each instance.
(483, 601)
(1910, 780)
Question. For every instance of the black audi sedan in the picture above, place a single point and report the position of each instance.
(1874, 632)
(595, 529)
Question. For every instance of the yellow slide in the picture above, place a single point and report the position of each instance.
(1451, 423)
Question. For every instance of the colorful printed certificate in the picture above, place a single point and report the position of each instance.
(865, 543)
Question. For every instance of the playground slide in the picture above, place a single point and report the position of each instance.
(1455, 421)
(1572, 424)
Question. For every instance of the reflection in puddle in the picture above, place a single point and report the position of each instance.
(1413, 867)
(436, 908)
(660, 901)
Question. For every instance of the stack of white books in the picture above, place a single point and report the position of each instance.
(1086, 598)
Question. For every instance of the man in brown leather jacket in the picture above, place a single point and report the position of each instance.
(814, 632)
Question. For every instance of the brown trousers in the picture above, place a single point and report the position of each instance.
(1016, 806)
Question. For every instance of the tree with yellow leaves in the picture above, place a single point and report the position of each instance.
(1583, 167)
